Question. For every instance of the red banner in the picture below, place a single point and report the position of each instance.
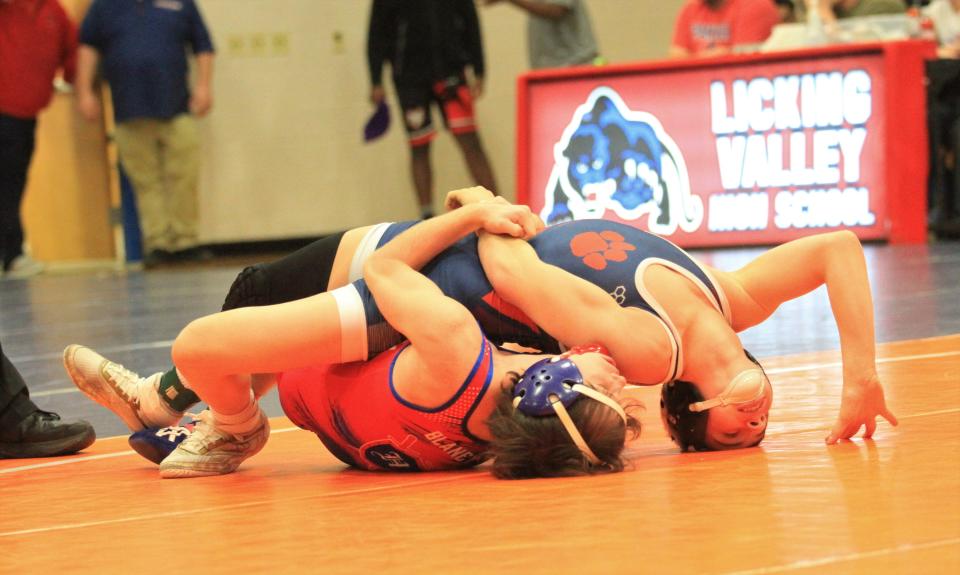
(747, 151)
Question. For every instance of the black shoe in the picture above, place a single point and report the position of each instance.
(193, 255)
(156, 258)
(42, 434)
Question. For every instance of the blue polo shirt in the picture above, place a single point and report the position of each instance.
(142, 45)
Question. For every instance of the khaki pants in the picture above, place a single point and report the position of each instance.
(162, 159)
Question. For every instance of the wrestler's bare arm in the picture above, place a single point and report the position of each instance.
(575, 311)
(443, 333)
(798, 267)
(570, 309)
(444, 336)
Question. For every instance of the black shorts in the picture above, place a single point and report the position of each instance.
(451, 96)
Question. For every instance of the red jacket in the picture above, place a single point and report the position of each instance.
(699, 28)
(37, 38)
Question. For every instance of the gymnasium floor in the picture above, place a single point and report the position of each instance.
(793, 505)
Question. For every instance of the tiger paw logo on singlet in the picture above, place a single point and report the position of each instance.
(596, 249)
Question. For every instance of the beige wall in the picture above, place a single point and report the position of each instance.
(283, 155)
(282, 151)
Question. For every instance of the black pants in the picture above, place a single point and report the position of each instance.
(943, 123)
(16, 150)
(15, 404)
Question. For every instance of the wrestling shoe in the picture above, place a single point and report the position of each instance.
(133, 398)
(156, 444)
(210, 451)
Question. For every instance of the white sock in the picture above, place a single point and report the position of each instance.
(154, 412)
(242, 423)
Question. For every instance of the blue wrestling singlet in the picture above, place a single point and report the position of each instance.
(608, 254)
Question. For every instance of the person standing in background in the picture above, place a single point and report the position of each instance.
(429, 45)
(37, 39)
(142, 44)
(716, 27)
(943, 117)
(559, 33)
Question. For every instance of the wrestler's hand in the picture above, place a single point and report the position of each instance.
(600, 370)
(459, 198)
(862, 402)
(498, 216)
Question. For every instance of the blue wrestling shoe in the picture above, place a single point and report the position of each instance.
(156, 443)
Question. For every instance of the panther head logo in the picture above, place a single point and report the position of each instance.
(613, 158)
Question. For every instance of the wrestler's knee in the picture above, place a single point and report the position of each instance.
(250, 288)
(189, 347)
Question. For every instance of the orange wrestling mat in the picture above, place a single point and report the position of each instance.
(794, 505)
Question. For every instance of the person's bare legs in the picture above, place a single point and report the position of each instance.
(422, 173)
(476, 159)
(216, 354)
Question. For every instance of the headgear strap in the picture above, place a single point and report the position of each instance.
(748, 385)
(553, 384)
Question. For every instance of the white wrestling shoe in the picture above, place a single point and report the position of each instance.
(210, 451)
(133, 398)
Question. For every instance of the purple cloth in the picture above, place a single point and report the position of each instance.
(378, 123)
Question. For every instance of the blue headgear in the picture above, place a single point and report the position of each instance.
(550, 379)
(551, 385)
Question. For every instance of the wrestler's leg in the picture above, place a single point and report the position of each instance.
(216, 354)
(324, 264)
(301, 274)
(315, 268)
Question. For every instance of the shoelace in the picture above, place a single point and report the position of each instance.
(48, 415)
(204, 434)
(118, 373)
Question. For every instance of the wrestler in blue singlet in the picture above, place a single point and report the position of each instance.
(608, 254)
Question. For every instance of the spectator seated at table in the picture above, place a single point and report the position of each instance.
(945, 16)
(716, 27)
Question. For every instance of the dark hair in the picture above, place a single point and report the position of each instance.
(688, 429)
(791, 11)
(526, 446)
